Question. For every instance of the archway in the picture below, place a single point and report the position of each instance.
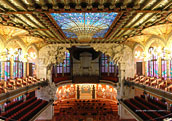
(139, 59)
(33, 60)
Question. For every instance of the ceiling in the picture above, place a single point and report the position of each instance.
(132, 16)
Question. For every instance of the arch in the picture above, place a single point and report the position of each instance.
(2, 40)
(138, 45)
(169, 39)
(34, 47)
(19, 41)
(153, 39)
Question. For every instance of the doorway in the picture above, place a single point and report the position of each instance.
(139, 68)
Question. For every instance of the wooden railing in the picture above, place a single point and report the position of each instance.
(158, 92)
(20, 91)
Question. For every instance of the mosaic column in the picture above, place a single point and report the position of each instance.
(11, 68)
(168, 68)
(3, 70)
(146, 68)
(159, 67)
(121, 78)
(24, 69)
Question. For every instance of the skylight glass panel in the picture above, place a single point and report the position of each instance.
(72, 24)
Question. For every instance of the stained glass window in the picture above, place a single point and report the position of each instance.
(0, 70)
(70, 22)
(107, 65)
(65, 65)
(164, 68)
(7, 70)
(18, 66)
(171, 69)
(153, 65)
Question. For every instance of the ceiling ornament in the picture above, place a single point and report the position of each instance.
(8, 32)
(52, 54)
(30, 39)
(115, 51)
(84, 26)
(142, 39)
(163, 29)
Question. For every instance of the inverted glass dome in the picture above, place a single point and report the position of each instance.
(82, 25)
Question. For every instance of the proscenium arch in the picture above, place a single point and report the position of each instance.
(153, 39)
(102, 82)
(19, 41)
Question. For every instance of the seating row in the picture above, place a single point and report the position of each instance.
(159, 83)
(148, 110)
(12, 84)
(24, 111)
(82, 107)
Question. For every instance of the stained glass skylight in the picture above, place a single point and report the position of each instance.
(75, 24)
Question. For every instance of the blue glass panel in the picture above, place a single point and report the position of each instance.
(67, 21)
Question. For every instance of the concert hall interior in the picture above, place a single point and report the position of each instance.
(86, 60)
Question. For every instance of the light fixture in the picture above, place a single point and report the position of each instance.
(139, 55)
(32, 55)
(6, 54)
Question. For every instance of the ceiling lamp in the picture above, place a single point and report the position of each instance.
(85, 32)
(84, 26)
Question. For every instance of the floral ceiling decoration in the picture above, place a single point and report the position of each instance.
(13, 37)
(142, 39)
(113, 50)
(8, 32)
(30, 39)
(84, 26)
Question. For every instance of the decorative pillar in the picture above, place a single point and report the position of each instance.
(159, 67)
(25, 69)
(49, 73)
(55, 70)
(122, 77)
(168, 68)
(122, 112)
(143, 69)
(11, 67)
(3, 70)
(146, 68)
